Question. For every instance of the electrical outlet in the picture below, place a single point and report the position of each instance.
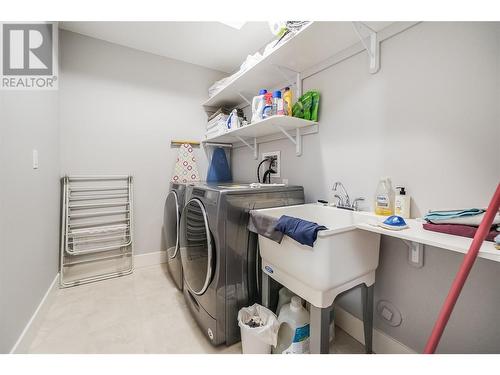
(277, 162)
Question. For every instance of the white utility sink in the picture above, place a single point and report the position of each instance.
(342, 257)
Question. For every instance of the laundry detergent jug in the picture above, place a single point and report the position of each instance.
(258, 103)
(293, 335)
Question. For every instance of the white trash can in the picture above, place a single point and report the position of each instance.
(259, 329)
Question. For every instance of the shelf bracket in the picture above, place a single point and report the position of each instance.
(415, 253)
(291, 82)
(372, 47)
(245, 99)
(297, 141)
(282, 69)
(254, 148)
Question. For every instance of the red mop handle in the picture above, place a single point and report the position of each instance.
(463, 273)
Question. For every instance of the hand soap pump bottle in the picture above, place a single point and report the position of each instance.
(402, 203)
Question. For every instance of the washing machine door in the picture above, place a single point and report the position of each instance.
(171, 222)
(197, 251)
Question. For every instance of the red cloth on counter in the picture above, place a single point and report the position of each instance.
(459, 230)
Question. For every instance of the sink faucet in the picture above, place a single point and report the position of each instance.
(343, 200)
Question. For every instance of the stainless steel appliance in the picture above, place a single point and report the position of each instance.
(219, 255)
(171, 230)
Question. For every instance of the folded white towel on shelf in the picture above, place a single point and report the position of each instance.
(217, 130)
(219, 119)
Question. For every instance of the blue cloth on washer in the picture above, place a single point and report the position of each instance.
(302, 231)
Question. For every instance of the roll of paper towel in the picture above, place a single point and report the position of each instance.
(276, 26)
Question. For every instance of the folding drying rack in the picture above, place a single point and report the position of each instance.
(96, 229)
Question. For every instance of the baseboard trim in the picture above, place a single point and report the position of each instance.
(150, 259)
(382, 343)
(28, 334)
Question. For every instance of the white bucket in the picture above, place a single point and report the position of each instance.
(252, 343)
(258, 340)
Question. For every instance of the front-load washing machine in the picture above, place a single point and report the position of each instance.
(171, 230)
(219, 255)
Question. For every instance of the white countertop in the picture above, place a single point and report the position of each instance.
(417, 233)
(339, 220)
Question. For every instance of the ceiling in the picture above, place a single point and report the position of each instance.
(213, 45)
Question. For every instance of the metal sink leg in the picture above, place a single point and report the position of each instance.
(266, 290)
(367, 297)
(320, 330)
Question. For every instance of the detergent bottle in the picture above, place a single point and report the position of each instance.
(278, 108)
(294, 331)
(268, 105)
(287, 98)
(383, 198)
(258, 105)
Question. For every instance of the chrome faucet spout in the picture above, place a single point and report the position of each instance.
(343, 200)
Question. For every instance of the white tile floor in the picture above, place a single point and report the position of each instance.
(140, 313)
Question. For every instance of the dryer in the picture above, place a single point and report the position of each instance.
(219, 255)
(171, 231)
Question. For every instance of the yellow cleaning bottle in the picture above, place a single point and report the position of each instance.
(287, 98)
(383, 201)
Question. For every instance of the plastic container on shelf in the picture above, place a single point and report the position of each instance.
(287, 99)
(278, 107)
(258, 103)
(268, 105)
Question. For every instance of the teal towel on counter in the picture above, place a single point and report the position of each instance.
(472, 217)
(434, 216)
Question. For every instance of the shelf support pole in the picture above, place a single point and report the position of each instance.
(372, 47)
(299, 85)
(254, 148)
(298, 142)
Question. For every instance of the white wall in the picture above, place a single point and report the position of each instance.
(29, 206)
(119, 109)
(116, 111)
(430, 120)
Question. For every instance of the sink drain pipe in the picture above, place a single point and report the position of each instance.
(463, 273)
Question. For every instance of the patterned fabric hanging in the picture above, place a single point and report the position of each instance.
(185, 169)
